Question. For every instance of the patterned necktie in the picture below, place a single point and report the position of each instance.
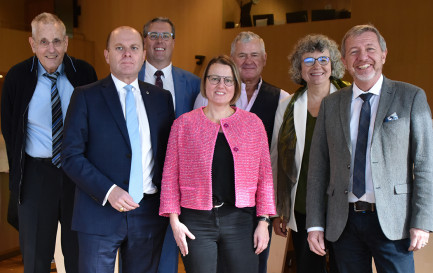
(136, 174)
(57, 119)
(158, 81)
(361, 147)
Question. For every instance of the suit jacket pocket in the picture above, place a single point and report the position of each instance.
(403, 188)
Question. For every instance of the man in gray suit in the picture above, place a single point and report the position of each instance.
(370, 182)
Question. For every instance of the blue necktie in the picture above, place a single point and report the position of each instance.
(57, 120)
(136, 174)
(361, 147)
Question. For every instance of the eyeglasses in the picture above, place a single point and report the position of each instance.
(215, 79)
(45, 43)
(322, 60)
(164, 35)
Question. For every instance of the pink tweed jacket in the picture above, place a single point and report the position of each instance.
(187, 180)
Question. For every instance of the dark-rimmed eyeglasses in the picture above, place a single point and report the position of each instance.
(215, 79)
(322, 60)
(45, 43)
(164, 35)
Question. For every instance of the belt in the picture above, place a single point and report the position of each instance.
(147, 196)
(40, 159)
(216, 203)
(362, 206)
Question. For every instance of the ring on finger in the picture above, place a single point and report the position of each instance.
(121, 209)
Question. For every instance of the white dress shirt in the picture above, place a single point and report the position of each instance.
(355, 111)
(146, 144)
(167, 78)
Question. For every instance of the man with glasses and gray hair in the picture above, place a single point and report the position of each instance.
(370, 178)
(257, 96)
(36, 95)
(159, 38)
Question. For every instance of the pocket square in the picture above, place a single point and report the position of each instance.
(393, 116)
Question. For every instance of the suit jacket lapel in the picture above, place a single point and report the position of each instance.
(151, 111)
(179, 83)
(345, 104)
(386, 95)
(109, 91)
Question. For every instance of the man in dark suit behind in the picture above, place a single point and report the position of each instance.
(159, 38)
(41, 194)
(370, 182)
(116, 132)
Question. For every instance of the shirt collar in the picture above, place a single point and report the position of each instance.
(166, 70)
(243, 86)
(120, 84)
(42, 71)
(375, 90)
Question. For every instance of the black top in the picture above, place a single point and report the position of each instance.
(223, 172)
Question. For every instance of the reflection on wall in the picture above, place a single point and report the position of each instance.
(246, 13)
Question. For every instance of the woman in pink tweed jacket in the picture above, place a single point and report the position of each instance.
(217, 178)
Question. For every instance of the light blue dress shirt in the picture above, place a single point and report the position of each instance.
(39, 131)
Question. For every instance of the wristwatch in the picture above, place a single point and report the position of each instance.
(264, 218)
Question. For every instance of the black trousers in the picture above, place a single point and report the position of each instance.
(47, 197)
(363, 239)
(225, 232)
(306, 260)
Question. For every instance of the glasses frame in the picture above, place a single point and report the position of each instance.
(318, 59)
(228, 81)
(56, 42)
(159, 35)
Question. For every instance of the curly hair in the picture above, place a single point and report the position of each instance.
(310, 44)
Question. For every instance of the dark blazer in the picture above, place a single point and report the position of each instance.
(401, 162)
(186, 88)
(18, 89)
(96, 150)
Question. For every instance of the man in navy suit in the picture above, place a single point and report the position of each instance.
(116, 132)
(159, 34)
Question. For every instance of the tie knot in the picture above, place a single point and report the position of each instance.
(52, 77)
(128, 87)
(366, 96)
(159, 73)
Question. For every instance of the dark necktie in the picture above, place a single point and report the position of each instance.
(57, 119)
(361, 147)
(158, 80)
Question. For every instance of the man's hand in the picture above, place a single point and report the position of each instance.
(121, 201)
(280, 226)
(316, 242)
(418, 239)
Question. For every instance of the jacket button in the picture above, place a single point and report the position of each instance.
(128, 156)
(126, 182)
(235, 149)
(346, 192)
(226, 125)
(348, 166)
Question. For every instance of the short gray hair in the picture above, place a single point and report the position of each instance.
(358, 30)
(47, 18)
(245, 37)
(310, 44)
